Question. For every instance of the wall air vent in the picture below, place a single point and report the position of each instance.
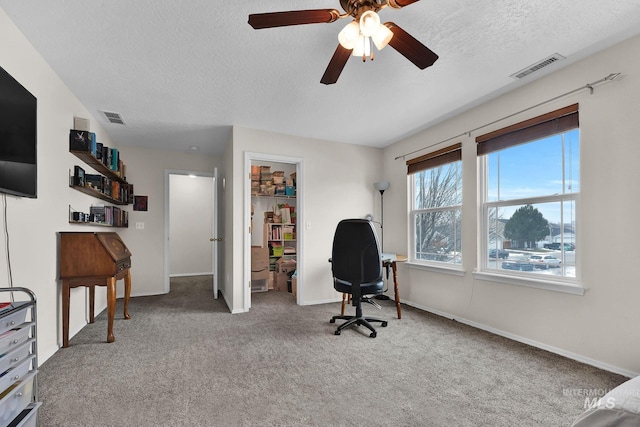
(112, 117)
(537, 66)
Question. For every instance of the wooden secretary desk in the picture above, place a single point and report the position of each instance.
(93, 259)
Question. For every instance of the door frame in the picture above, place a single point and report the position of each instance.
(167, 219)
(263, 157)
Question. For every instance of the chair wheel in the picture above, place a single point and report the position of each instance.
(373, 334)
(337, 332)
(384, 324)
(332, 321)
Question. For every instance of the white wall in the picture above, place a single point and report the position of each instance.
(190, 219)
(334, 187)
(599, 327)
(33, 224)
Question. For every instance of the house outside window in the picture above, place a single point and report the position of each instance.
(530, 175)
(435, 182)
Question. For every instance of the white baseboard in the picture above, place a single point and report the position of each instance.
(325, 301)
(570, 355)
(191, 274)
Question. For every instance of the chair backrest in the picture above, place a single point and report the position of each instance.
(355, 257)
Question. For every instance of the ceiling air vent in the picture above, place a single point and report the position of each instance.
(537, 66)
(115, 118)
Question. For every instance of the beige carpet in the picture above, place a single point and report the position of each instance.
(183, 360)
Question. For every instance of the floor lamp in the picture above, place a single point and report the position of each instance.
(381, 186)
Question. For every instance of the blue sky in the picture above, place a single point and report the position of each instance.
(534, 170)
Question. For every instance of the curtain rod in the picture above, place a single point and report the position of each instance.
(589, 86)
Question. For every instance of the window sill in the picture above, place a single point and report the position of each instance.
(455, 270)
(548, 285)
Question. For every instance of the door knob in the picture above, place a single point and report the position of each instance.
(215, 239)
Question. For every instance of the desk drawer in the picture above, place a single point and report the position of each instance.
(14, 357)
(123, 265)
(16, 398)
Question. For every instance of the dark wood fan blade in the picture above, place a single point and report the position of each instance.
(295, 17)
(397, 4)
(411, 48)
(336, 65)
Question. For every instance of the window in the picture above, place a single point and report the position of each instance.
(435, 182)
(531, 184)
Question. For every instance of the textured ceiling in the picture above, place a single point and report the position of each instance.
(182, 73)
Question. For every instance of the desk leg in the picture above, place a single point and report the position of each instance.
(66, 294)
(111, 307)
(127, 294)
(92, 303)
(394, 267)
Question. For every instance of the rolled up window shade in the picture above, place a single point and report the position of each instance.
(548, 124)
(441, 157)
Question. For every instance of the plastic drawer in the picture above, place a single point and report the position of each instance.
(28, 417)
(261, 285)
(14, 337)
(16, 398)
(13, 375)
(12, 320)
(14, 357)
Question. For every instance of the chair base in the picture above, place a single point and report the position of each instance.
(357, 321)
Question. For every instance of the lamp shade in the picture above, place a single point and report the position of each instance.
(362, 47)
(381, 37)
(369, 23)
(348, 37)
(382, 185)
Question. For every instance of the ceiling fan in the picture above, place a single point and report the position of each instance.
(356, 38)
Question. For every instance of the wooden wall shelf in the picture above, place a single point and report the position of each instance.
(100, 167)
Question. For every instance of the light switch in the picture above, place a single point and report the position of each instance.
(139, 225)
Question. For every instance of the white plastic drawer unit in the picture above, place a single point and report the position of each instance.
(16, 398)
(28, 417)
(13, 375)
(13, 358)
(14, 319)
(14, 337)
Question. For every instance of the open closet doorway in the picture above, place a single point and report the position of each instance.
(191, 240)
(274, 207)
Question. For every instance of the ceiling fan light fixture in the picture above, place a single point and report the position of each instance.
(369, 23)
(362, 47)
(349, 35)
(382, 37)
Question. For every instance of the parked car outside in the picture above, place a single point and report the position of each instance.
(557, 246)
(499, 252)
(544, 261)
(513, 265)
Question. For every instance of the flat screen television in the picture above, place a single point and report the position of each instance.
(18, 138)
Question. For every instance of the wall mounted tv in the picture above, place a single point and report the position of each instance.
(18, 138)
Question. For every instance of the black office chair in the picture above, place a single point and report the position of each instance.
(357, 269)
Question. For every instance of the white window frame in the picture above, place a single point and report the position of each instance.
(572, 285)
(413, 212)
